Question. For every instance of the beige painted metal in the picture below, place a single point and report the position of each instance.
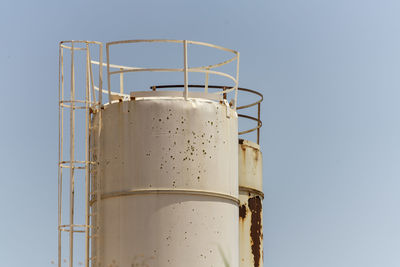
(243, 107)
(169, 183)
(250, 209)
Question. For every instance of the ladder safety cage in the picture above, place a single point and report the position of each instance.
(69, 100)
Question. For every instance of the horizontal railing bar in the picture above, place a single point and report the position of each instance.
(81, 41)
(144, 41)
(201, 67)
(73, 167)
(213, 46)
(253, 92)
(75, 48)
(171, 41)
(74, 231)
(77, 162)
(217, 65)
(147, 69)
(105, 91)
(113, 65)
(77, 42)
(75, 225)
(259, 124)
(173, 70)
(77, 101)
(249, 117)
(248, 131)
(214, 72)
(72, 106)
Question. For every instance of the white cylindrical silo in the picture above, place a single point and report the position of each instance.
(168, 170)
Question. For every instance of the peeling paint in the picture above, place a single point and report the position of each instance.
(256, 228)
(242, 211)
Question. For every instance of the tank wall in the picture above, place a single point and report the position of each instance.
(169, 183)
(250, 209)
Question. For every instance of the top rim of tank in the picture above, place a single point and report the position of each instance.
(152, 94)
(249, 143)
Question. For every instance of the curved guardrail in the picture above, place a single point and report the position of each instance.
(207, 70)
(256, 103)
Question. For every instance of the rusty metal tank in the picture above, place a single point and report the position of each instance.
(169, 181)
(250, 209)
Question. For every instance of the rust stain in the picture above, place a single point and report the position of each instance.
(255, 228)
(242, 211)
(257, 152)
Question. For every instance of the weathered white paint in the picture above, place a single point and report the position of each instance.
(250, 195)
(169, 183)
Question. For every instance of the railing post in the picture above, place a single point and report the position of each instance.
(258, 124)
(121, 81)
(185, 69)
(224, 94)
(108, 73)
(237, 81)
(206, 82)
(101, 76)
(91, 83)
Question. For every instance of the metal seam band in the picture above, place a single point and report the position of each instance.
(252, 190)
(170, 191)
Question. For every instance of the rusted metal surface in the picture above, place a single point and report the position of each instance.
(170, 182)
(242, 211)
(255, 206)
(250, 209)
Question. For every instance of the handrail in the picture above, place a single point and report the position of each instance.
(125, 69)
(207, 70)
(258, 103)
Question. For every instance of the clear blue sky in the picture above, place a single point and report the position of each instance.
(329, 71)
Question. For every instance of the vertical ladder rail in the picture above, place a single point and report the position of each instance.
(72, 158)
(87, 161)
(98, 190)
(185, 69)
(60, 145)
